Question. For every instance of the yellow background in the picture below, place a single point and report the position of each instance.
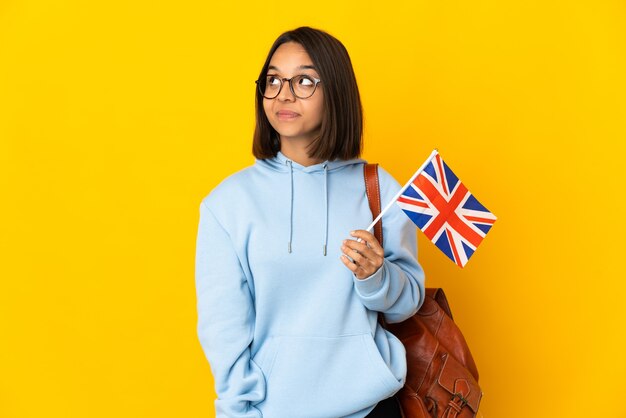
(117, 117)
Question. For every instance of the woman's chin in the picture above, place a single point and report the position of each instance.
(293, 136)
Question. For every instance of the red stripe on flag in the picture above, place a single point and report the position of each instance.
(413, 202)
(477, 219)
(442, 176)
(462, 228)
(457, 260)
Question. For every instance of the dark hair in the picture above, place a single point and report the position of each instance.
(342, 119)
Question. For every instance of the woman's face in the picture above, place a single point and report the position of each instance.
(293, 118)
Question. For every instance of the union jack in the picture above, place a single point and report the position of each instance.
(448, 214)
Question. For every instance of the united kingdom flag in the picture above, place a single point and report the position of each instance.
(442, 207)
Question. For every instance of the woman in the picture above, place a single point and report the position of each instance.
(287, 298)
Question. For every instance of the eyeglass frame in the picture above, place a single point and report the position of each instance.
(316, 80)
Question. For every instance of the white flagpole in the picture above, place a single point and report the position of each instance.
(432, 154)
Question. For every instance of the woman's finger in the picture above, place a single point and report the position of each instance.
(370, 239)
(360, 259)
(358, 270)
(349, 263)
(350, 245)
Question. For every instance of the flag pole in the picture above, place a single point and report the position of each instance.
(432, 154)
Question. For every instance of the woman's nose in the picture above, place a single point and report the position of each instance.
(285, 93)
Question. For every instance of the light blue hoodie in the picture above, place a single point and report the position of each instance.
(287, 328)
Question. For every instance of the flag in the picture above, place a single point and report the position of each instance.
(448, 214)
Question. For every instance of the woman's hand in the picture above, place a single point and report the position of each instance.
(368, 255)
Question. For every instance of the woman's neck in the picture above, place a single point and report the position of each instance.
(298, 153)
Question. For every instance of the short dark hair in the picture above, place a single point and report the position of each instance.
(341, 133)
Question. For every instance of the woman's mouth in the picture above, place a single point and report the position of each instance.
(286, 115)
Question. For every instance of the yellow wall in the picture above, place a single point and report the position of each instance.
(117, 117)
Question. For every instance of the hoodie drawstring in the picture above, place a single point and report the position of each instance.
(325, 207)
(325, 245)
(291, 208)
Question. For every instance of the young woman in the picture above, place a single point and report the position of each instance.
(288, 296)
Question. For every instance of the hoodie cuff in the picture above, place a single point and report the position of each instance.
(371, 284)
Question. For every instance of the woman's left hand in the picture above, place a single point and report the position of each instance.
(368, 255)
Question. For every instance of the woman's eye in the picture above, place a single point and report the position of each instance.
(305, 81)
(273, 81)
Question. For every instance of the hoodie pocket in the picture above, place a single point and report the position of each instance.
(326, 376)
(264, 358)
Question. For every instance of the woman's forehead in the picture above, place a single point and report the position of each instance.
(291, 56)
(299, 67)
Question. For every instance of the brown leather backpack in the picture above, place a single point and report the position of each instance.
(442, 378)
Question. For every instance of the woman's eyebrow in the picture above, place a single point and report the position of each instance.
(302, 67)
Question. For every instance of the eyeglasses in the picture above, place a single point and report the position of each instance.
(302, 86)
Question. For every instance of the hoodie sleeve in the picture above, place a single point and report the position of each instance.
(226, 321)
(397, 287)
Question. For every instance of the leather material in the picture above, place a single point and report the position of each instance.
(442, 377)
(372, 188)
(441, 371)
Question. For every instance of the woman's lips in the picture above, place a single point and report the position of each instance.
(286, 115)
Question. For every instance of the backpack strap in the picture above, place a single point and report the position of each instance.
(372, 189)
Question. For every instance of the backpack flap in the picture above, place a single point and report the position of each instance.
(461, 386)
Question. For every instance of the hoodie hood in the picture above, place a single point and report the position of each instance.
(283, 164)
